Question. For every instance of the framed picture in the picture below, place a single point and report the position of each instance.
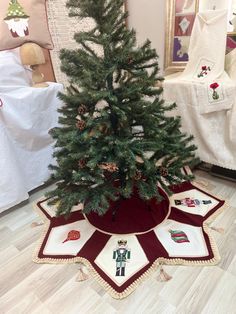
(180, 16)
(231, 42)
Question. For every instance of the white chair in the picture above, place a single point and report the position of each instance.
(26, 116)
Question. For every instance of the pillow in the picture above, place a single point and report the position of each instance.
(230, 64)
(13, 73)
(23, 21)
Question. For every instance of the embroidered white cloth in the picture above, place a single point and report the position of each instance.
(213, 132)
(26, 116)
(204, 93)
(214, 90)
(207, 47)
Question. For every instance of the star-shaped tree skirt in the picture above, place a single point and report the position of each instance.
(125, 246)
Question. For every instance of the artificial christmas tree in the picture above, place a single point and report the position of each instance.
(114, 136)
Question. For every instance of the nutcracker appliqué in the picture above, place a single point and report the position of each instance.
(121, 255)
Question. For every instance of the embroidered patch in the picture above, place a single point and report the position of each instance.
(17, 20)
(178, 236)
(72, 236)
(191, 202)
(215, 94)
(203, 69)
(121, 255)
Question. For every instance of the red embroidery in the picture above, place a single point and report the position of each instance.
(214, 86)
(204, 71)
(72, 236)
(179, 236)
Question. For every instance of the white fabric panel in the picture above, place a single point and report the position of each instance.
(210, 29)
(58, 235)
(137, 261)
(52, 209)
(196, 208)
(204, 93)
(26, 116)
(205, 66)
(196, 247)
(214, 5)
(213, 132)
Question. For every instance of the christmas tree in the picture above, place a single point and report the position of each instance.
(114, 133)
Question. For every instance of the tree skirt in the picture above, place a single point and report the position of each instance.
(124, 247)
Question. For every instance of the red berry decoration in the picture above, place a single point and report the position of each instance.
(72, 236)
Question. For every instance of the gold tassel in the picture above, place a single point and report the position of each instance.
(219, 230)
(163, 276)
(37, 224)
(82, 276)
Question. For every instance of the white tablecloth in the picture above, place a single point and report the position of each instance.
(213, 132)
(26, 116)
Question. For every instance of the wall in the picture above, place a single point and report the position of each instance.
(62, 28)
(147, 17)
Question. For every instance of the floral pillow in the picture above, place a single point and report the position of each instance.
(23, 21)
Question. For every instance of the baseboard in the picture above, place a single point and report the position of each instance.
(223, 173)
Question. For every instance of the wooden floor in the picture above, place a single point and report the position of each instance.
(26, 287)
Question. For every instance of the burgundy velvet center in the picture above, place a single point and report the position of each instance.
(132, 215)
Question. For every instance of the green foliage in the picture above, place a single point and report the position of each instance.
(114, 131)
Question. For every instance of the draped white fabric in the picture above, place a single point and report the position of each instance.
(204, 93)
(26, 116)
(207, 46)
(214, 89)
(213, 132)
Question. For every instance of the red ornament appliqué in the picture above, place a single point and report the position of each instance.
(72, 236)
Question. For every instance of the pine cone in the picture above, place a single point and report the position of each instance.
(82, 109)
(164, 172)
(82, 163)
(109, 166)
(138, 175)
(81, 125)
(130, 60)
